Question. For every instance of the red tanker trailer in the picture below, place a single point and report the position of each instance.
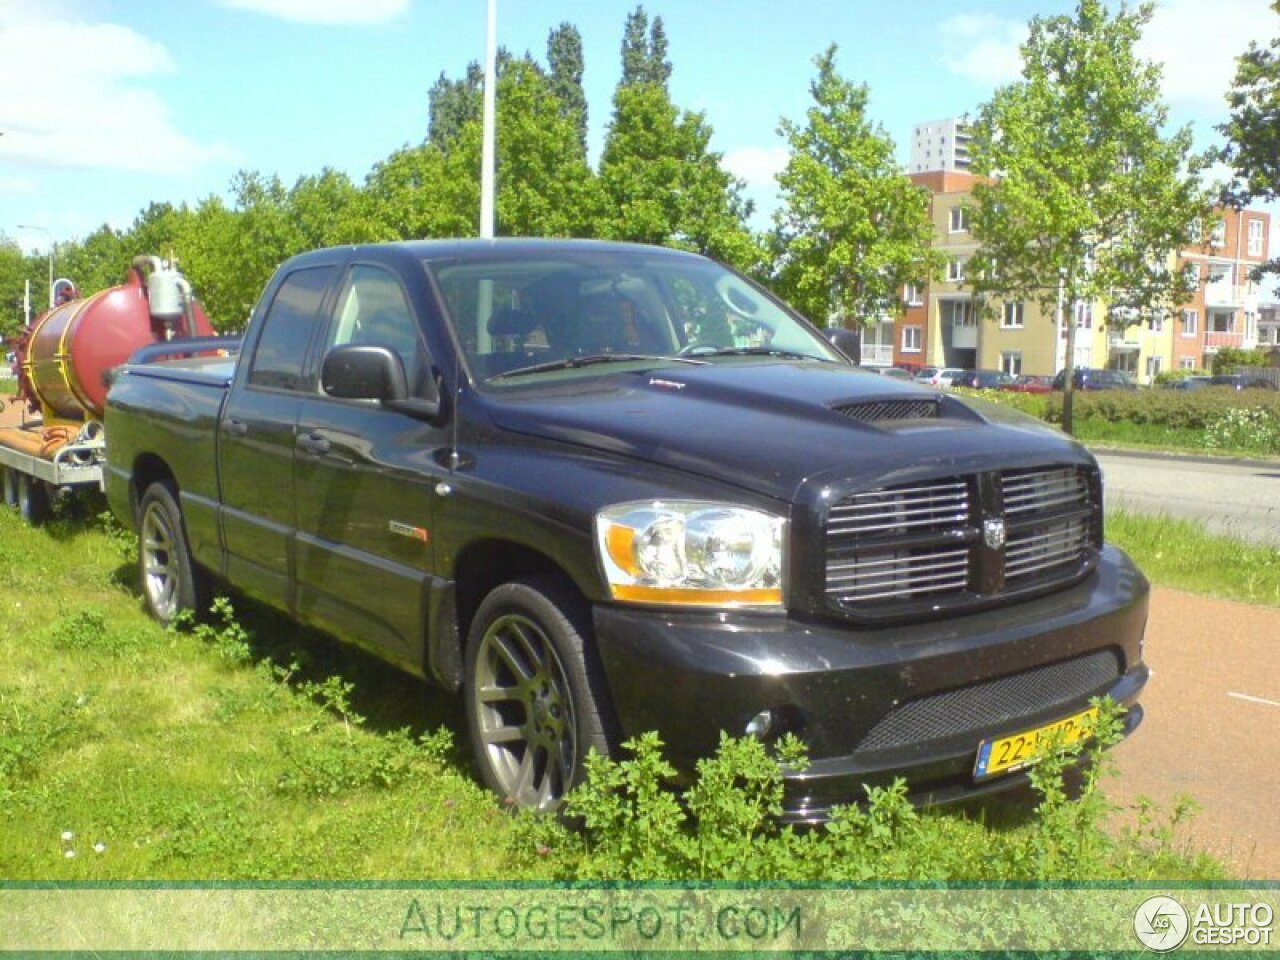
(63, 361)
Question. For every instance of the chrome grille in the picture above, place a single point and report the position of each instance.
(920, 548)
(1050, 520)
(867, 558)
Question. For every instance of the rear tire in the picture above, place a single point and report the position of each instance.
(171, 582)
(34, 505)
(535, 698)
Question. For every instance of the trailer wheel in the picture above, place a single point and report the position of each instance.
(34, 505)
(10, 486)
(171, 582)
(535, 699)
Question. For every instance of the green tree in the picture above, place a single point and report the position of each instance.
(644, 50)
(1088, 199)
(659, 178)
(565, 67)
(544, 186)
(852, 229)
(16, 269)
(1253, 129)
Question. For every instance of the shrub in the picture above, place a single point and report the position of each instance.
(1245, 428)
(1178, 409)
(725, 826)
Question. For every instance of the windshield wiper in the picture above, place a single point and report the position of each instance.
(570, 363)
(760, 352)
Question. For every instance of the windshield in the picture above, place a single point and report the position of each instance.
(572, 313)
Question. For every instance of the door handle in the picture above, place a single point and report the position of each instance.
(313, 443)
(237, 428)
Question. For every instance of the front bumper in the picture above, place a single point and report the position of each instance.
(909, 701)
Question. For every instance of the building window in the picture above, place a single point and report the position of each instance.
(959, 313)
(1190, 323)
(1084, 316)
(911, 339)
(1156, 322)
(1153, 367)
(1191, 272)
(1187, 363)
(1255, 238)
(1196, 230)
(912, 296)
(959, 219)
(955, 270)
(1012, 317)
(1219, 236)
(1011, 362)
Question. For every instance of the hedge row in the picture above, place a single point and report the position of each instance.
(1195, 409)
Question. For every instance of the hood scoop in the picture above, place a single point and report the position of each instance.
(891, 408)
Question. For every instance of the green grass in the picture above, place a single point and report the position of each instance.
(253, 749)
(1147, 436)
(1179, 553)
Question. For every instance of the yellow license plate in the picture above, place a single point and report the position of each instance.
(1019, 750)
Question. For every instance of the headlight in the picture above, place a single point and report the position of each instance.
(691, 552)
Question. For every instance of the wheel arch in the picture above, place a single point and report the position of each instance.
(479, 567)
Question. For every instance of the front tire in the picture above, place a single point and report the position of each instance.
(171, 582)
(535, 699)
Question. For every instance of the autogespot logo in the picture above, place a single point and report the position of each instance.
(1161, 924)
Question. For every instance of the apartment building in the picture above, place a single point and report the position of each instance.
(940, 145)
(943, 324)
(1226, 306)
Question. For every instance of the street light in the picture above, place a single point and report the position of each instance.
(487, 150)
(48, 233)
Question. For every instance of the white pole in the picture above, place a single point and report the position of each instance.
(48, 233)
(487, 160)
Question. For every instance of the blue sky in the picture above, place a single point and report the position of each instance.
(107, 105)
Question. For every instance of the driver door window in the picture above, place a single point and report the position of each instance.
(373, 310)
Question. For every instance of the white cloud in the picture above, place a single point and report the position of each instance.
(325, 11)
(1197, 43)
(87, 106)
(756, 165)
(983, 48)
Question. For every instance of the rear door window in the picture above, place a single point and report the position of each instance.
(287, 329)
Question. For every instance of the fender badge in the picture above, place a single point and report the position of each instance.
(405, 530)
(665, 384)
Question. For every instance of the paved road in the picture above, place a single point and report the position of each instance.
(1237, 498)
(1212, 727)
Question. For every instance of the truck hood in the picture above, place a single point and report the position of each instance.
(772, 427)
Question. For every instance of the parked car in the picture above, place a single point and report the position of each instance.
(1030, 383)
(982, 379)
(1189, 383)
(897, 373)
(1092, 378)
(1242, 381)
(938, 376)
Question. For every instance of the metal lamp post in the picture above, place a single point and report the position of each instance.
(48, 233)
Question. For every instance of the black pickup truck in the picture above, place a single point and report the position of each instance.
(603, 489)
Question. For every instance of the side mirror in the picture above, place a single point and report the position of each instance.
(363, 372)
(369, 372)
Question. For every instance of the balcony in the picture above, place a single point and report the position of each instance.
(1222, 294)
(1217, 339)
